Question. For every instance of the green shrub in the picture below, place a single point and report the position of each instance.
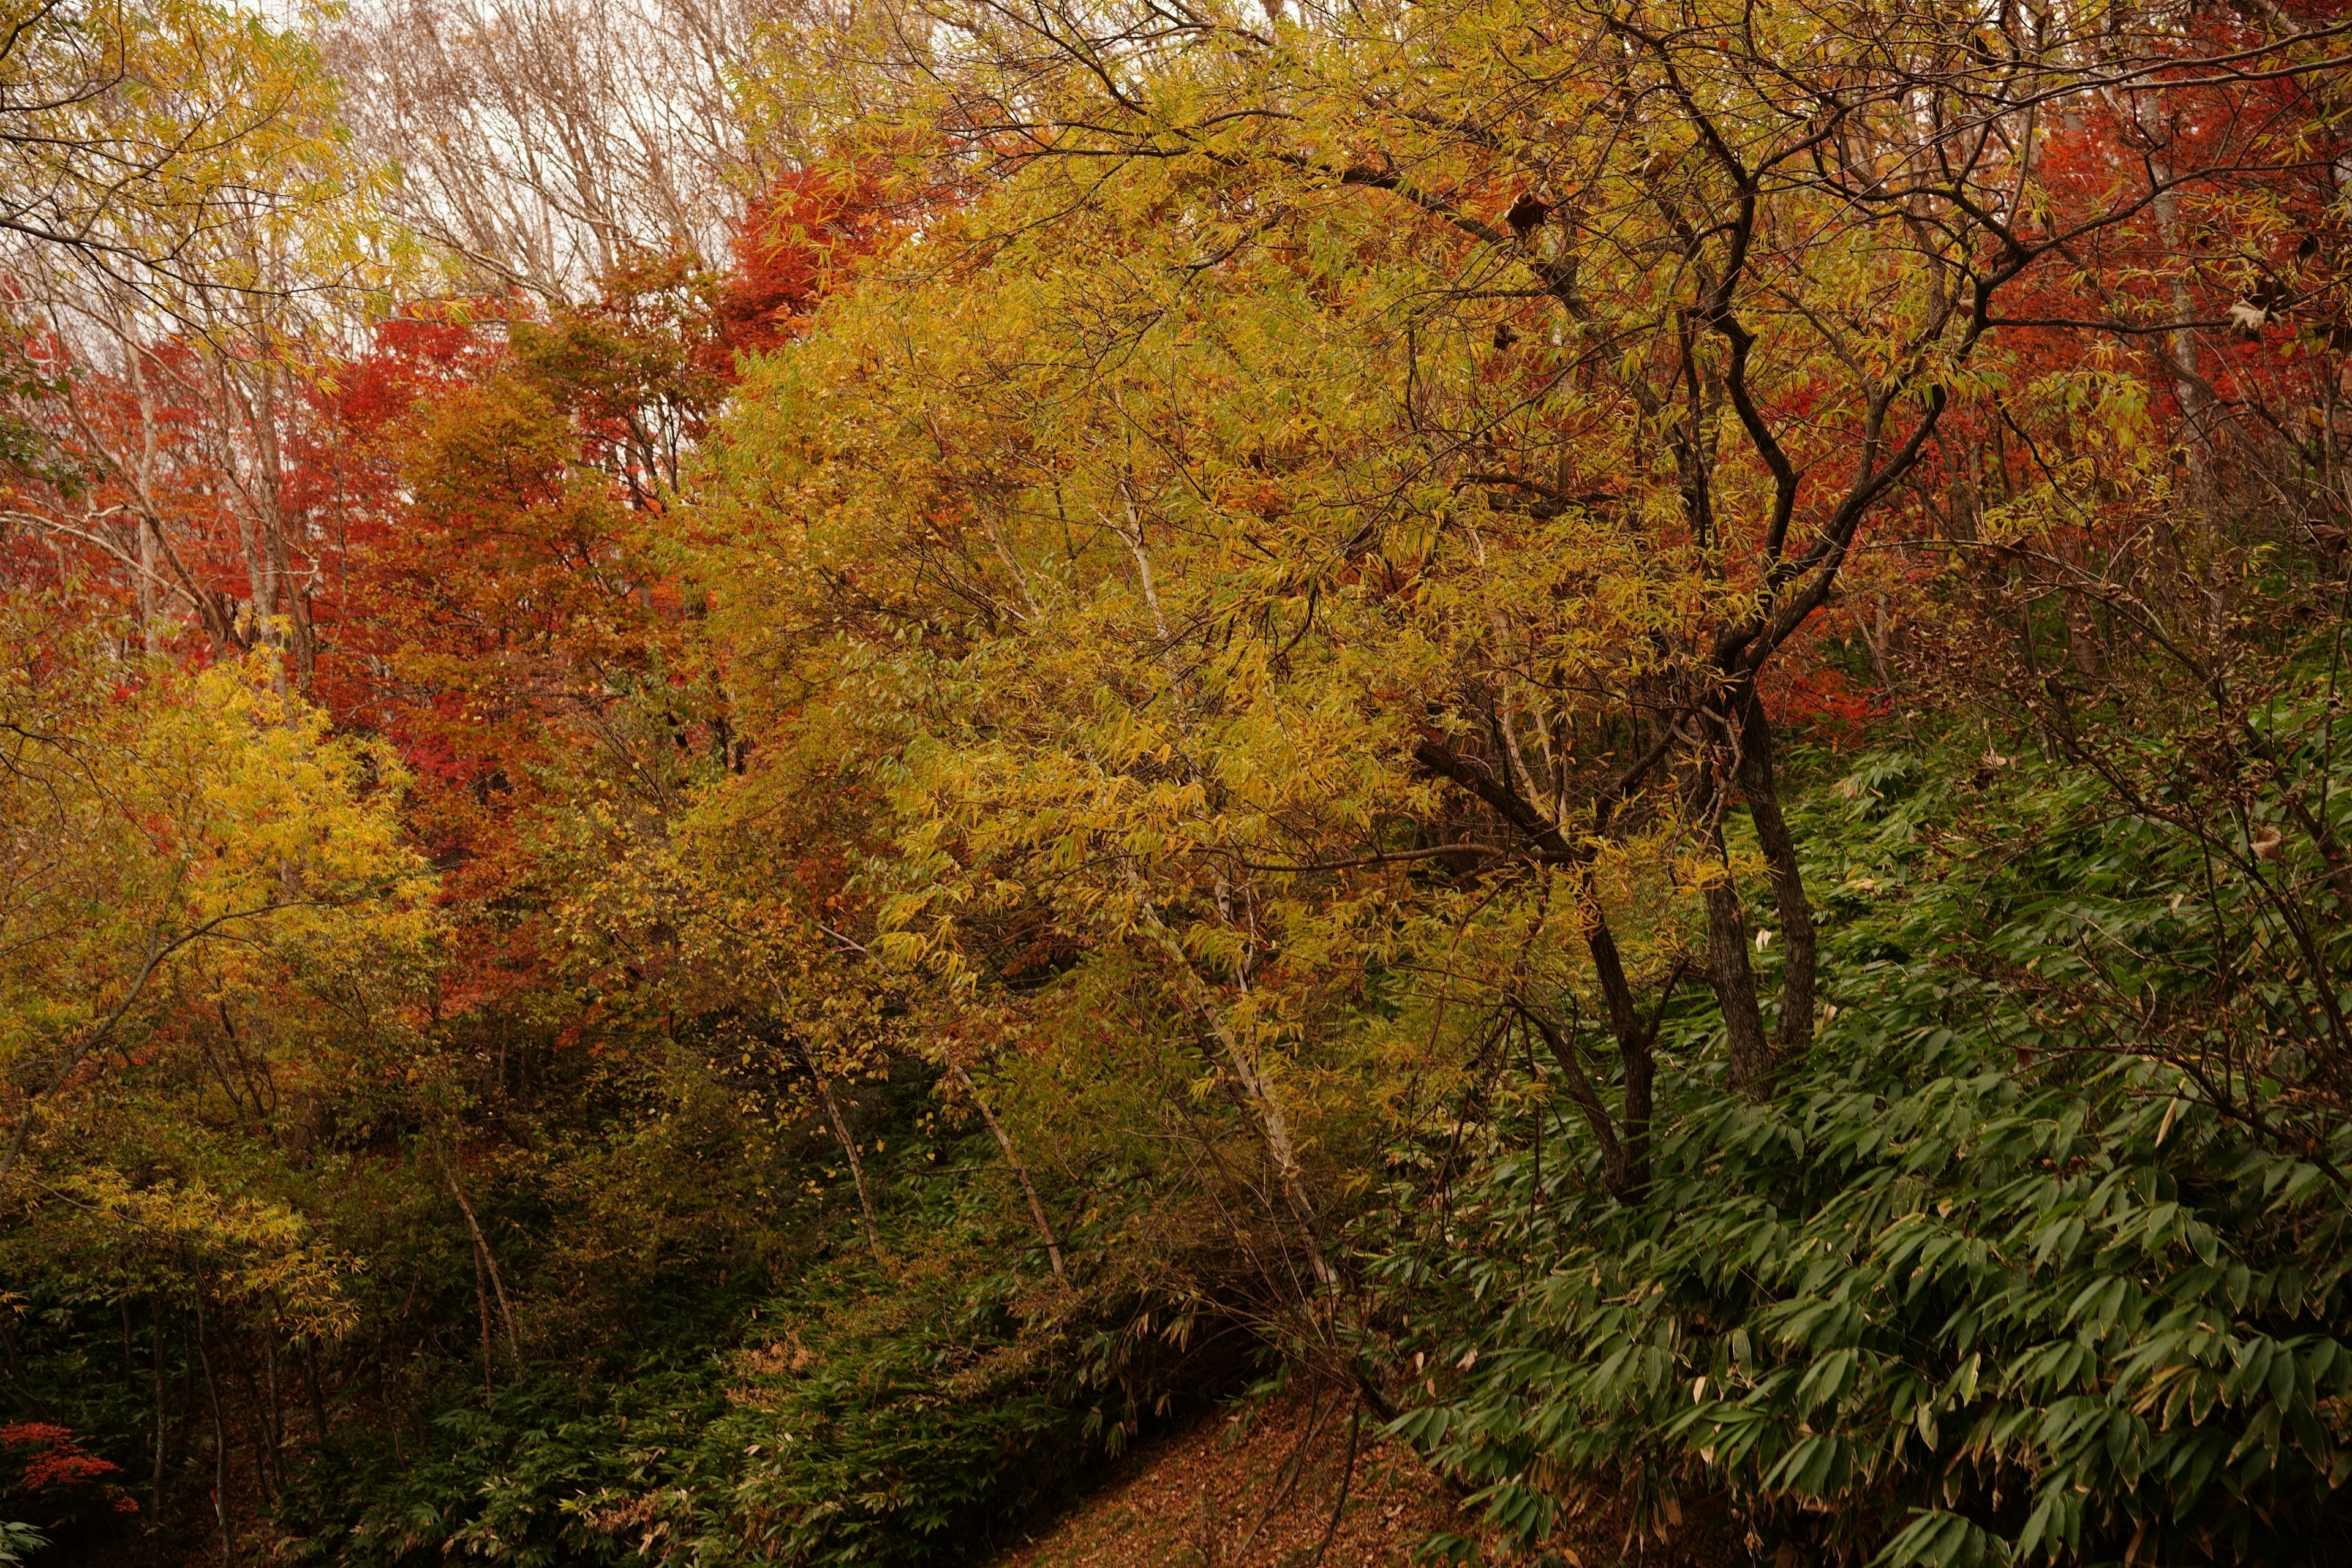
(1979, 1282)
(867, 1416)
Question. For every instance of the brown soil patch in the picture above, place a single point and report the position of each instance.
(1253, 1490)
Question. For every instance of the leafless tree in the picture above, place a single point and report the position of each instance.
(542, 141)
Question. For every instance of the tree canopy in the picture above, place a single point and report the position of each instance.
(749, 798)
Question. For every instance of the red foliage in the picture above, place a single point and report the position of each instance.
(1818, 702)
(808, 223)
(497, 475)
(57, 1467)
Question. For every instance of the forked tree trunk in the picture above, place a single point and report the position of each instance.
(486, 1262)
(1270, 1117)
(849, 1149)
(1020, 1171)
(1759, 784)
(1728, 971)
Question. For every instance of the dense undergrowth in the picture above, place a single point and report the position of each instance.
(1981, 1280)
(898, 1410)
(1975, 1282)
(870, 1413)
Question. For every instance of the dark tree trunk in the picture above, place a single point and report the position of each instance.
(1759, 783)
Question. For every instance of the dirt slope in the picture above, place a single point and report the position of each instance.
(1259, 1489)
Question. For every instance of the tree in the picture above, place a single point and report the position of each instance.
(207, 236)
(1363, 471)
(546, 144)
(138, 139)
(161, 826)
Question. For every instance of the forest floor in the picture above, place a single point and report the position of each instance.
(1263, 1489)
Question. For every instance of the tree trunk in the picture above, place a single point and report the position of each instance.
(1635, 1041)
(849, 1149)
(1271, 1119)
(1021, 1171)
(1734, 980)
(155, 1478)
(485, 1260)
(1759, 783)
(150, 531)
(269, 507)
(318, 1396)
(482, 1305)
(220, 1438)
(1623, 1167)
(1728, 971)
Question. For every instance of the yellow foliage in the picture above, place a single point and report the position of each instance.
(165, 835)
(249, 1253)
